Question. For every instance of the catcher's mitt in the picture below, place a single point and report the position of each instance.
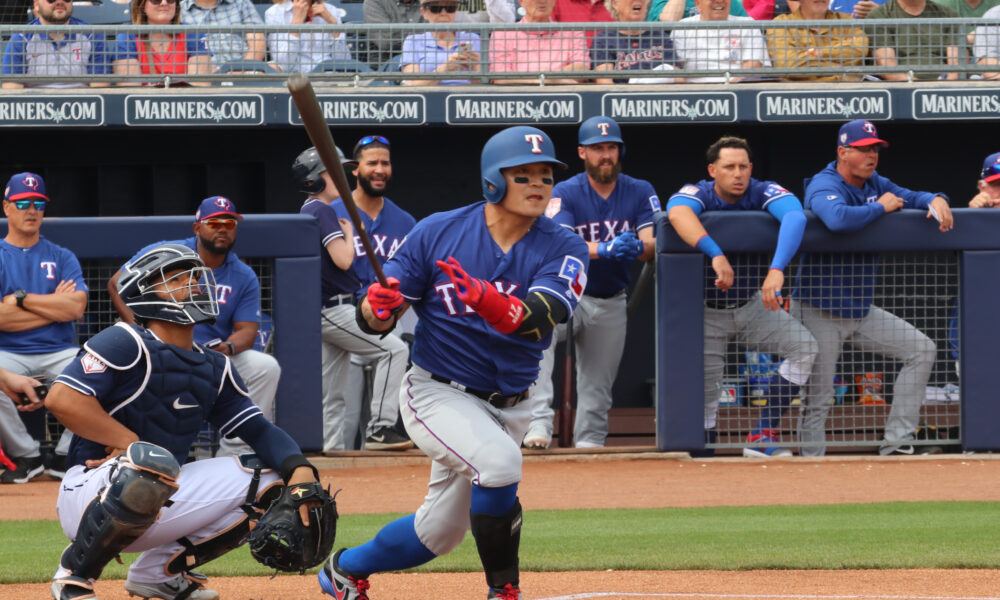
(281, 540)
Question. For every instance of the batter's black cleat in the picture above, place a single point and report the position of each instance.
(387, 438)
(509, 592)
(27, 469)
(72, 587)
(339, 583)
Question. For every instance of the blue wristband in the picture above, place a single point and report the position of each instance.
(708, 246)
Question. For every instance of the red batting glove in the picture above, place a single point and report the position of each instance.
(503, 312)
(383, 300)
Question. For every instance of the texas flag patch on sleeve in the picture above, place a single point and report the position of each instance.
(572, 270)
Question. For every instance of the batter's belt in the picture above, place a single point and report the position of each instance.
(495, 398)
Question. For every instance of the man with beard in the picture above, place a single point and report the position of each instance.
(238, 292)
(345, 283)
(56, 54)
(613, 213)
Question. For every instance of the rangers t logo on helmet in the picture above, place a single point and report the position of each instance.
(536, 142)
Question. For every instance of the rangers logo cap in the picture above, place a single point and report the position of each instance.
(25, 185)
(216, 206)
(991, 168)
(859, 132)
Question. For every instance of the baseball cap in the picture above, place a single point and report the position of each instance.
(25, 185)
(859, 132)
(991, 168)
(216, 206)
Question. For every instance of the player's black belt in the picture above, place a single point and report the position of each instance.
(495, 398)
(605, 296)
(340, 299)
(731, 305)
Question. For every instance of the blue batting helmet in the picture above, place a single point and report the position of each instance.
(513, 147)
(596, 130)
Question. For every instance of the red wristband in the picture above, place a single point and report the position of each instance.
(503, 312)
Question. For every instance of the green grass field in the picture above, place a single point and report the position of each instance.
(841, 536)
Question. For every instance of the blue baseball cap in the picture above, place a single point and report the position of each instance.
(859, 132)
(25, 185)
(991, 168)
(216, 206)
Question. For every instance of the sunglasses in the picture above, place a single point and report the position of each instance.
(371, 139)
(220, 223)
(161, 1)
(437, 8)
(989, 171)
(24, 204)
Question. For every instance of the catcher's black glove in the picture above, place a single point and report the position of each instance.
(281, 540)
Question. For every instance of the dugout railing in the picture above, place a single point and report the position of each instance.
(283, 251)
(942, 283)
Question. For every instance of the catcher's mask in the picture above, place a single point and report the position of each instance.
(169, 283)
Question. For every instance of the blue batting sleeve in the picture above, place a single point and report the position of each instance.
(708, 246)
(681, 201)
(495, 501)
(788, 211)
(269, 441)
(394, 548)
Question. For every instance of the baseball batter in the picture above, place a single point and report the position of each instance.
(735, 307)
(346, 272)
(489, 282)
(136, 397)
(835, 292)
(613, 213)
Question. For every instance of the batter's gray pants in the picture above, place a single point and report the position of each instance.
(342, 337)
(599, 333)
(879, 332)
(14, 436)
(763, 330)
(260, 372)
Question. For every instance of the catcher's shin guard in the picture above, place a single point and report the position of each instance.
(140, 485)
(498, 540)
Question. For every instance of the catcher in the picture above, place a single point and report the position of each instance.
(135, 398)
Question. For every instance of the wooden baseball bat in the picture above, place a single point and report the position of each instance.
(319, 133)
(566, 403)
(640, 286)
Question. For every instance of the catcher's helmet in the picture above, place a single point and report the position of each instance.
(513, 147)
(596, 130)
(189, 304)
(308, 166)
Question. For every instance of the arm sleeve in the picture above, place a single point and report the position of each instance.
(100, 57)
(788, 211)
(125, 47)
(648, 203)
(693, 204)
(564, 274)
(836, 214)
(269, 441)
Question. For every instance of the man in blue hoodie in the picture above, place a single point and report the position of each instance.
(834, 292)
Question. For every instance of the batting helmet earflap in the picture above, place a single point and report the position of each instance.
(600, 129)
(308, 167)
(189, 304)
(513, 147)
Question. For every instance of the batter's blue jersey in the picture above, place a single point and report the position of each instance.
(844, 284)
(453, 341)
(630, 207)
(334, 281)
(760, 195)
(38, 270)
(159, 391)
(237, 290)
(387, 231)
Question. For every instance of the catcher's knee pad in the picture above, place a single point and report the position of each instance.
(498, 539)
(195, 554)
(141, 483)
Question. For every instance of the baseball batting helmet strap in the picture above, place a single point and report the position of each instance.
(513, 147)
(596, 130)
(143, 281)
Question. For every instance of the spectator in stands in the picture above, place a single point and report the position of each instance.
(227, 47)
(238, 292)
(817, 47)
(439, 51)
(833, 292)
(722, 49)
(969, 9)
(488, 11)
(77, 54)
(633, 49)
(43, 293)
(675, 10)
(538, 51)
(301, 52)
(858, 9)
(989, 184)
(160, 53)
(581, 11)
(386, 44)
(986, 46)
(907, 42)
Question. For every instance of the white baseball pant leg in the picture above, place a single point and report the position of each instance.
(14, 436)
(471, 443)
(206, 502)
(260, 373)
(599, 327)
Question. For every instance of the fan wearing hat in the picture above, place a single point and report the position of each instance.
(234, 332)
(834, 292)
(989, 184)
(43, 294)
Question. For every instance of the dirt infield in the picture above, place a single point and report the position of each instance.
(635, 480)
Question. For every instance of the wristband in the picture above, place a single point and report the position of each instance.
(708, 246)
(232, 349)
